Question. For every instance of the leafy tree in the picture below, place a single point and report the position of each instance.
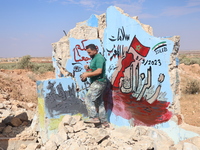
(25, 63)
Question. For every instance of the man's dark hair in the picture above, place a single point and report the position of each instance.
(91, 46)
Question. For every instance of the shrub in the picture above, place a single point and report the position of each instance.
(192, 87)
(42, 67)
(25, 63)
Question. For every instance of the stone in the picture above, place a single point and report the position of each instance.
(50, 145)
(66, 119)
(6, 96)
(122, 133)
(2, 126)
(196, 141)
(100, 135)
(145, 143)
(70, 135)
(74, 146)
(74, 120)
(33, 146)
(69, 129)
(25, 123)
(63, 135)
(7, 129)
(89, 125)
(91, 131)
(34, 123)
(106, 143)
(31, 105)
(7, 103)
(81, 139)
(62, 128)
(5, 113)
(23, 116)
(160, 138)
(23, 146)
(64, 146)
(42, 148)
(57, 139)
(79, 126)
(14, 108)
(2, 106)
(16, 122)
(81, 136)
(189, 146)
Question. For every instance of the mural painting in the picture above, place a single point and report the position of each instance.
(137, 68)
(60, 98)
(133, 94)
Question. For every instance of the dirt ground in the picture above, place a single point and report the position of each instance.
(190, 103)
(21, 85)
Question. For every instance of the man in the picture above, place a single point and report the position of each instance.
(93, 99)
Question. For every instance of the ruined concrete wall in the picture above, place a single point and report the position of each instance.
(142, 71)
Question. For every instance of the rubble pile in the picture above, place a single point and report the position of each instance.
(74, 134)
(16, 121)
(14, 117)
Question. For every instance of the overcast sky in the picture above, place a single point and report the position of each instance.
(28, 27)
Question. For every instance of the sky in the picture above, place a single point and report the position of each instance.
(29, 27)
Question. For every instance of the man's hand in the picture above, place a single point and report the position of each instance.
(84, 76)
(90, 74)
(86, 67)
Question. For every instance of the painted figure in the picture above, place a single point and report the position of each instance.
(94, 99)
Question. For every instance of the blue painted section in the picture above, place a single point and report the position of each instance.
(117, 120)
(177, 61)
(176, 133)
(55, 65)
(92, 21)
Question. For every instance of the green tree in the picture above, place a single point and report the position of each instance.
(25, 63)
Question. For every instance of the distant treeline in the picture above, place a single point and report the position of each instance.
(189, 57)
(32, 59)
(40, 66)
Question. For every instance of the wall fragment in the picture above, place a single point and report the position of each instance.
(142, 71)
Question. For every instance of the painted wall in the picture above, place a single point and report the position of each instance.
(140, 89)
(137, 67)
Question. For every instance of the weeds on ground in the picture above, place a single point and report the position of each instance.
(192, 87)
(42, 67)
(8, 66)
(185, 59)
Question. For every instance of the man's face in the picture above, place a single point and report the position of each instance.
(91, 53)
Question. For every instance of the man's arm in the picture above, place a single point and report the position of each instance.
(91, 74)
